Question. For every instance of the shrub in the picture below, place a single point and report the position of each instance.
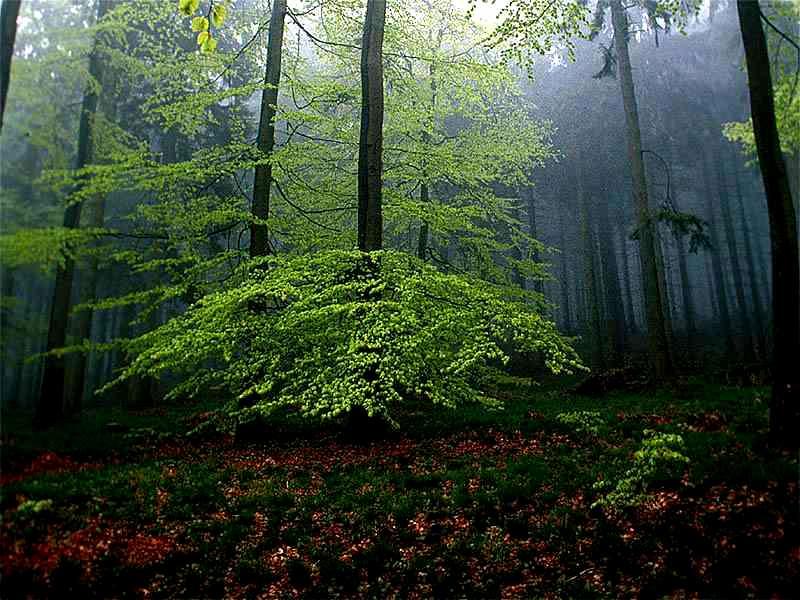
(583, 422)
(328, 332)
(659, 457)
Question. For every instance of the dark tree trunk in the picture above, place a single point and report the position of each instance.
(733, 257)
(785, 405)
(538, 284)
(8, 22)
(564, 279)
(658, 344)
(716, 266)
(615, 309)
(424, 192)
(370, 147)
(755, 298)
(50, 407)
(687, 301)
(262, 181)
(590, 278)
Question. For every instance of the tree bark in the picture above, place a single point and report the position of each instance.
(626, 280)
(658, 344)
(50, 406)
(262, 181)
(785, 404)
(9, 12)
(538, 284)
(370, 148)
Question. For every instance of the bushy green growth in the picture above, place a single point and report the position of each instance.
(584, 422)
(659, 457)
(328, 332)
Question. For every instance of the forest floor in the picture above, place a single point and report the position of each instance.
(456, 504)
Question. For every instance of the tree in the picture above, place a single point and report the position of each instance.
(370, 152)
(262, 183)
(50, 406)
(785, 402)
(658, 345)
(8, 25)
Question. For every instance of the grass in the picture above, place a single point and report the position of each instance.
(474, 503)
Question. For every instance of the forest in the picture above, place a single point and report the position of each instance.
(382, 299)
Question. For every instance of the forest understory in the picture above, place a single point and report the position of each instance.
(468, 504)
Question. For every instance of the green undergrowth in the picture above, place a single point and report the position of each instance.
(458, 503)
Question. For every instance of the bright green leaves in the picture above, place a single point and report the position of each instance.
(330, 331)
(200, 24)
(188, 7)
(218, 13)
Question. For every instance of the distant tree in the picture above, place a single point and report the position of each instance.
(785, 403)
(8, 30)
(50, 406)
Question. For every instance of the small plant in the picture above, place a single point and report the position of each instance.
(31, 508)
(584, 422)
(660, 457)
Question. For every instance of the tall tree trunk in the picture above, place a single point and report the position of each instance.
(626, 280)
(614, 302)
(687, 301)
(50, 407)
(755, 298)
(785, 405)
(564, 278)
(658, 344)
(733, 257)
(262, 182)
(370, 147)
(716, 266)
(590, 278)
(538, 284)
(8, 22)
(424, 192)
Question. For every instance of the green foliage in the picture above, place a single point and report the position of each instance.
(583, 422)
(335, 330)
(659, 457)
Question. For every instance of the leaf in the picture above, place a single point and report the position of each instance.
(209, 44)
(200, 24)
(188, 7)
(218, 14)
(202, 38)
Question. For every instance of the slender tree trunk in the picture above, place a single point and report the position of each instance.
(755, 298)
(687, 301)
(785, 405)
(626, 281)
(716, 266)
(538, 284)
(370, 154)
(564, 279)
(656, 328)
(614, 301)
(50, 407)
(424, 193)
(735, 263)
(590, 279)
(262, 181)
(9, 11)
